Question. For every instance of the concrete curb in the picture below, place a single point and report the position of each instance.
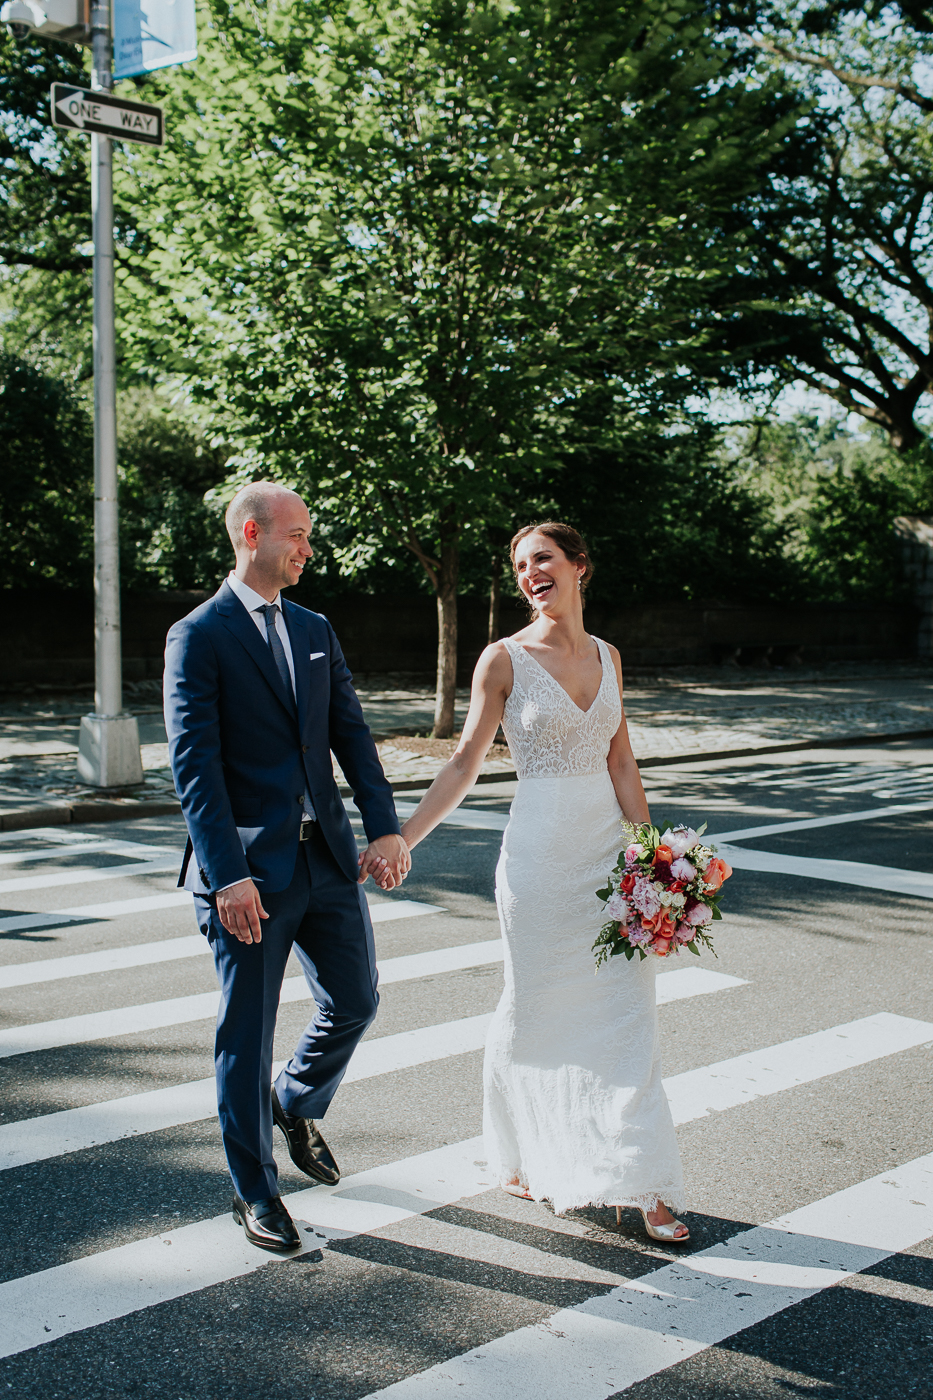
(129, 808)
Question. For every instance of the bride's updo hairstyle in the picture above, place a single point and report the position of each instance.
(568, 540)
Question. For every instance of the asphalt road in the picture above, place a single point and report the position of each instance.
(800, 1072)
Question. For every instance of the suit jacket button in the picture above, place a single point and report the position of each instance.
(300, 800)
(304, 748)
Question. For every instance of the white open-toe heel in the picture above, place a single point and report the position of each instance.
(664, 1233)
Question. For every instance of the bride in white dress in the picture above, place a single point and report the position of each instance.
(575, 1112)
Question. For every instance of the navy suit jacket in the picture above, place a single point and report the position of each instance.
(243, 753)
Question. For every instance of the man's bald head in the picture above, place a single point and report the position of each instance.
(259, 501)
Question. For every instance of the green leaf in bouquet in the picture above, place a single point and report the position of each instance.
(716, 913)
(700, 829)
(604, 894)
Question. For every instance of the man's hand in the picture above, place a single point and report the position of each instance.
(387, 860)
(240, 911)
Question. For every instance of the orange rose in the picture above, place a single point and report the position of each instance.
(663, 853)
(716, 872)
(661, 946)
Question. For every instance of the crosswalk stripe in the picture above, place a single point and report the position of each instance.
(81, 913)
(195, 945)
(846, 872)
(463, 816)
(613, 1341)
(177, 1011)
(380, 912)
(699, 1092)
(90, 875)
(74, 1129)
(841, 819)
(110, 848)
(86, 1292)
(693, 1095)
(587, 1352)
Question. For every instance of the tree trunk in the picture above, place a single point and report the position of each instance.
(448, 577)
(495, 579)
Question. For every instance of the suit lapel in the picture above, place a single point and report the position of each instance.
(237, 620)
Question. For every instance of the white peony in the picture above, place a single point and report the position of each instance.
(681, 840)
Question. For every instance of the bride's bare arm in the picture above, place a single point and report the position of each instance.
(492, 683)
(623, 770)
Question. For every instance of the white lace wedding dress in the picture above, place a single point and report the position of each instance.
(574, 1104)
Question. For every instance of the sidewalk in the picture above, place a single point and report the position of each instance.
(671, 716)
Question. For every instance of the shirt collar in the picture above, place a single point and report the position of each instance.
(250, 599)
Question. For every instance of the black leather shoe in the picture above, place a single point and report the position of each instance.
(306, 1147)
(267, 1224)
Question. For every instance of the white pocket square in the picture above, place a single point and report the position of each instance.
(314, 655)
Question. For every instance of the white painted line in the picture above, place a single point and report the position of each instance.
(463, 816)
(101, 1287)
(646, 1325)
(90, 876)
(80, 913)
(380, 913)
(388, 909)
(37, 1139)
(841, 819)
(112, 848)
(844, 872)
(693, 1094)
(73, 1129)
(63, 835)
(692, 982)
(110, 960)
(699, 1092)
(178, 1011)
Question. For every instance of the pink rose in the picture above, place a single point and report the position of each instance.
(633, 851)
(683, 870)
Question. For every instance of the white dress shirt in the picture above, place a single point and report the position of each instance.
(252, 601)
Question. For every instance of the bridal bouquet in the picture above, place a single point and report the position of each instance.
(662, 895)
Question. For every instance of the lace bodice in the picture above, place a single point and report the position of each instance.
(547, 733)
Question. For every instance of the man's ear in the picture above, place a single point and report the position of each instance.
(250, 533)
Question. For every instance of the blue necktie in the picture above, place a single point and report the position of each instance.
(278, 655)
(270, 612)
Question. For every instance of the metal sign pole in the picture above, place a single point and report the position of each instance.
(108, 751)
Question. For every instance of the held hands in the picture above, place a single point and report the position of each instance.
(387, 860)
(240, 910)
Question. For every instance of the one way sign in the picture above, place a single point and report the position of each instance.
(80, 110)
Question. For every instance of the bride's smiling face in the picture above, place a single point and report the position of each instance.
(548, 579)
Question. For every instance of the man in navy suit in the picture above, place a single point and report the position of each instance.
(257, 694)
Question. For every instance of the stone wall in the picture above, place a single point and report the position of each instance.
(49, 638)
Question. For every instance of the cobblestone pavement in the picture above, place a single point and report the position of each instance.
(670, 715)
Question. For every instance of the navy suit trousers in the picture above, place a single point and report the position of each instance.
(325, 918)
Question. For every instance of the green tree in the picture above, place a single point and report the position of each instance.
(46, 501)
(839, 263)
(396, 243)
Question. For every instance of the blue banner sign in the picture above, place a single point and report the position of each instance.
(150, 34)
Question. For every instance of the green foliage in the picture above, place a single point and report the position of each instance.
(394, 243)
(662, 503)
(45, 480)
(835, 495)
(838, 261)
